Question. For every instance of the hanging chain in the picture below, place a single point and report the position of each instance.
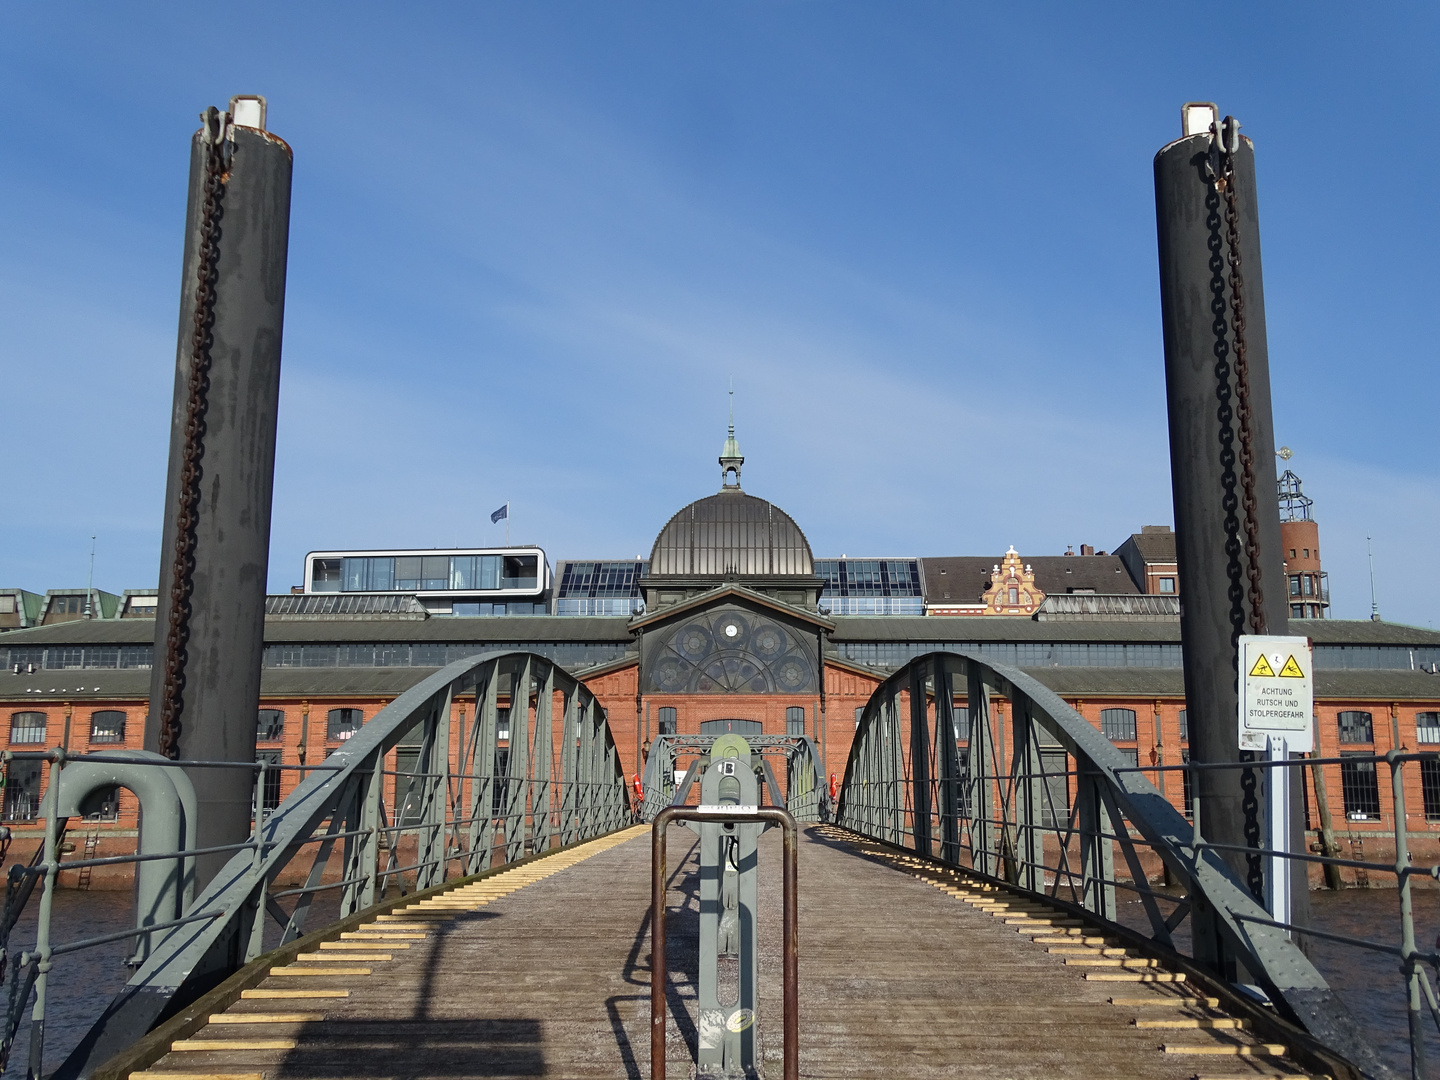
(1227, 144)
(183, 566)
(1229, 140)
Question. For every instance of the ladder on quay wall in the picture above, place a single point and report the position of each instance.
(1357, 852)
(92, 842)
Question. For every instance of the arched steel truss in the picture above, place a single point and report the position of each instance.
(803, 793)
(561, 782)
(994, 807)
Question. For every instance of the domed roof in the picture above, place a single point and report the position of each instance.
(731, 533)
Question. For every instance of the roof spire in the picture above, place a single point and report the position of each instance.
(730, 457)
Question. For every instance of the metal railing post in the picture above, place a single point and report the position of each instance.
(1411, 969)
(790, 919)
(256, 943)
(42, 959)
(543, 765)
(919, 785)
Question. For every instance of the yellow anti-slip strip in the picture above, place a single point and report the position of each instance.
(496, 886)
(464, 898)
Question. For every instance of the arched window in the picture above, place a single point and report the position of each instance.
(795, 720)
(668, 722)
(744, 728)
(1185, 727)
(1427, 728)
(341, 724)
(1118, 725)
(107, 726)
(1355, 726)
(270, 725)
(22, 790)
(27, 727)
(102, 804)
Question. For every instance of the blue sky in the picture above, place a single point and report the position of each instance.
(531, 243)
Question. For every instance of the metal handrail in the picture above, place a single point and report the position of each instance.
(562, 783)
(997, 815)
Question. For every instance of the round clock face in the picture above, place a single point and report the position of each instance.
(731, 630)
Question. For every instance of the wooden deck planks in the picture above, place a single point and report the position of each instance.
(550, 978)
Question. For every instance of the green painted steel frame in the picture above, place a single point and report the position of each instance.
(342, 803)
(995, 810)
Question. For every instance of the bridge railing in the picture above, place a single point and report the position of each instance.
(799, 788)
(1043, 800)
(536, 767)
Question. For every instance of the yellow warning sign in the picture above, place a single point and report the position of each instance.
(1262, 667)
(1291, 670)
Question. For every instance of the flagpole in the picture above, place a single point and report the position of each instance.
(507, 522)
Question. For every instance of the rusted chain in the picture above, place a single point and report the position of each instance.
(183, 565)
(1226, 184)
(1227, 143)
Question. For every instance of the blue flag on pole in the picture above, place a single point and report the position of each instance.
(501, 514)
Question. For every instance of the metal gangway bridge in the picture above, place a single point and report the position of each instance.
(954, 915)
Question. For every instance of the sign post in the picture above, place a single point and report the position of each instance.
(1277, 694)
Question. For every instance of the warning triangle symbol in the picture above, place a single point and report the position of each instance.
(1291, 670)
(1262, 668)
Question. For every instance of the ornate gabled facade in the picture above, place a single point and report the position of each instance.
(1012, 589)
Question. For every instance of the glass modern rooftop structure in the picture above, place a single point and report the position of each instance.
(600, 588)
(871, 586)
(455, 581)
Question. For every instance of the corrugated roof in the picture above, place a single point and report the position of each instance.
(962, 628)
(731, 532)
(1108, 606)
(848, 628)
(448, 629)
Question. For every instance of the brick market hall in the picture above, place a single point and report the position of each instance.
(731, 625)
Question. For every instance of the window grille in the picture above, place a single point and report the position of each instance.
(1430, 788)
(22, 790)
(1356, 727)
(1360, 787)
(1184, 725)
(341, 724)
(1118, 725)
(27, 727)
(270, 797)
(795, 720)
(500, 800)
(744, 728)
(408, 799)
(1055, 764)
(107, 726)
(102, 804)
(1427, 728)
(669, 725)
(269, 725)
